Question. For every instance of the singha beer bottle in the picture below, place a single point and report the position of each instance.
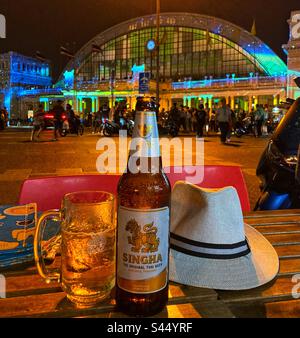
(143, 221)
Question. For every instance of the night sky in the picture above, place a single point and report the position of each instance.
(46, 25)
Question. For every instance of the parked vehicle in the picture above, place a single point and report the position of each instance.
(279, 167)
(98, 126)
(48, 120)
(245, 127)
(75, 127)
(111, 128)
(271, 125)
(172, 128)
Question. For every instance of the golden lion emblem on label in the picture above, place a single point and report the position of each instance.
(142, 240)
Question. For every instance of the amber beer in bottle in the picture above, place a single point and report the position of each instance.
(143, 221)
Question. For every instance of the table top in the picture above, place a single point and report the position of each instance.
(29, 296)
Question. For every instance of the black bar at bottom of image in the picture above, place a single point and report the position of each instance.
(145, 327)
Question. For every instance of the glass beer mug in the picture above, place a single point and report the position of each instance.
(88, 246)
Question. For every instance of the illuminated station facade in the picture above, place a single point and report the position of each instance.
(202, 59)
(20, 75)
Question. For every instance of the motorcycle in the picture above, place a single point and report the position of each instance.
(279, 165)
(271, 125)
(245, 127)
(173, 128)
(163, 125)
(70, 128)
(111, 128)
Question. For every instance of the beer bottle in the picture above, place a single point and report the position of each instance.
(143, 221)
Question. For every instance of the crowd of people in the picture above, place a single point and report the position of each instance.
(199, 121)
(222, 119)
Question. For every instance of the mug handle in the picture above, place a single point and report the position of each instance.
(38, 255)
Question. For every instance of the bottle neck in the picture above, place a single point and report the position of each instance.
(145, 147)
(145, 137)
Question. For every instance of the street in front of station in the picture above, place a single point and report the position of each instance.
(78, 155)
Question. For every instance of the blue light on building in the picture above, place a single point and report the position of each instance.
(21, 73)
(265, 57)
(69, 78)
(7, 99)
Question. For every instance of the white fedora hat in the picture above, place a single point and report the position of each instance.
(210, 244)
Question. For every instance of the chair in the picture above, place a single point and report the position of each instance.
(215, 176)
(48, 192)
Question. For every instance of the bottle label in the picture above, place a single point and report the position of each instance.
(145, 138)
(143, 249)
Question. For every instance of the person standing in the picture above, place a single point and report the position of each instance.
(267, 120)
(194, 120)
(201, 120)
(97, 122)
(182, 118)
(73, 121)
(259, 119)
(58, 111)
(223, 117)
(207, 111)
(111, 113)
(117, 113)
(105, 111)
(5, 112)
(188, 119)
(174, 115)
(232, 125)
(2, 119)
(212, 121)
(38, 123)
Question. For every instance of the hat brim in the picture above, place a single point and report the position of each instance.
(247, 272)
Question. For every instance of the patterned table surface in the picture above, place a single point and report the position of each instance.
(29, 296)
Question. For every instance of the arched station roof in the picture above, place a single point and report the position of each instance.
(257, 50)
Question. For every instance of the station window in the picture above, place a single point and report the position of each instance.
(184, 52)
